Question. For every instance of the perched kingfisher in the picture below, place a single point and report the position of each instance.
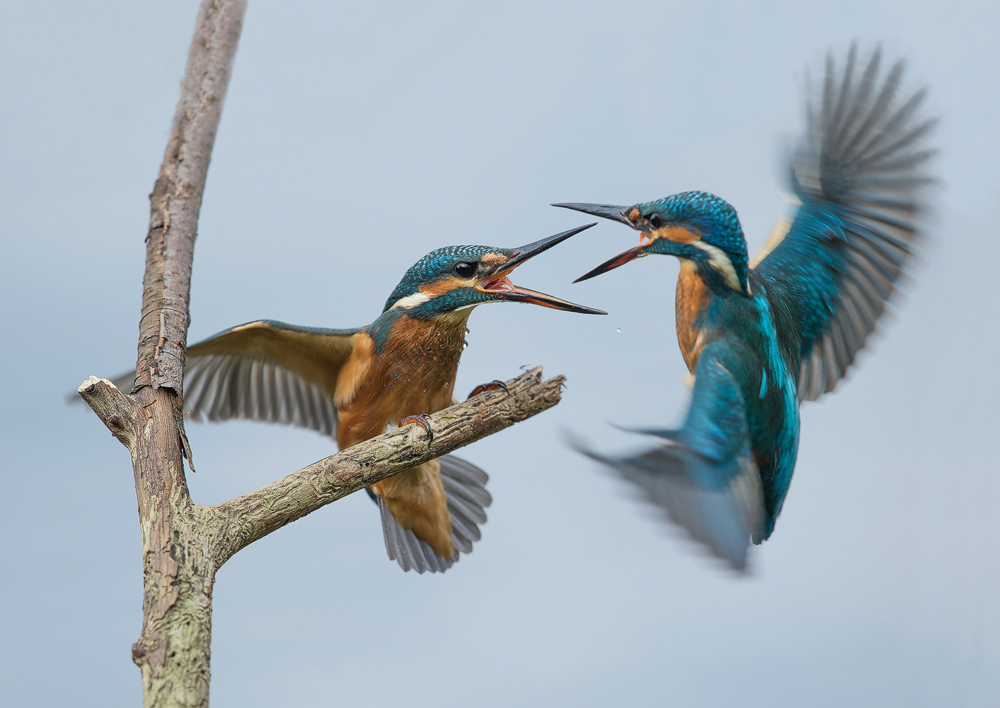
(761, 337)
(353, 383)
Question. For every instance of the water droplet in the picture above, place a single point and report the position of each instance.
(617, 328)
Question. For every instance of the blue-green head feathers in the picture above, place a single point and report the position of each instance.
(434, 284)
(711, 219)
(460, 277)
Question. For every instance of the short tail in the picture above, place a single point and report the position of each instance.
(465, 488)
(719, 503)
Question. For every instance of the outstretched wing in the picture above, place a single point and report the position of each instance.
(704, 475)
(858, 175)
(267, 371)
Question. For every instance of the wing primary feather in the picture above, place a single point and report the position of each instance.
(834, 124)
(877, 112)
(878, 271)
(220, 383)
(883, 218)
(878, 239)
(859, 104)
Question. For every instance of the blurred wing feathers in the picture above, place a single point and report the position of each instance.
(858, 175)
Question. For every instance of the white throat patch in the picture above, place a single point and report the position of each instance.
(720, 262)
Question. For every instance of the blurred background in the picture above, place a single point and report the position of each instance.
(357, 137)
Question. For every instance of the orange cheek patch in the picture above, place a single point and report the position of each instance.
(677, 234)
(634, 214)
(444, 285)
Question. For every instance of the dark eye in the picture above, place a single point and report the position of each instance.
(655, 220)
(465, 270)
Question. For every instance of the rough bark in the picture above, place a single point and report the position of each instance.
(184, 544)
(174, 647)
(176, 199)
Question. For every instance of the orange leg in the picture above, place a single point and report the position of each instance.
(491, 386)
(423, 421)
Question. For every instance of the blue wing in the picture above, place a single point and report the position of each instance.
(858, 175)
(704, 475)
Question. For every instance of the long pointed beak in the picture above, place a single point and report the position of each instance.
(524, 253)
(605, 211)
(499, 284)
(616, 262)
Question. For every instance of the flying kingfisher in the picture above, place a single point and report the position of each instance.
(761, 337)
(353, 383)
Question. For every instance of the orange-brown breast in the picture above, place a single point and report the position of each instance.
(414, 373)
(692, 298)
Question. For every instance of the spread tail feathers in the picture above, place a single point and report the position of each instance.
(465, 488)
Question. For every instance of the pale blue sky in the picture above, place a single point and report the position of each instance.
(355, 139)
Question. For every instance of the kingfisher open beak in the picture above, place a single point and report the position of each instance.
(616, 262)
(499, 285)
(605, 211)
(615, 213)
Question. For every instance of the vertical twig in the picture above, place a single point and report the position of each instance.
(174, 648)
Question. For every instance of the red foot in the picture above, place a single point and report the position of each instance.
(423, 421)
(491, 386)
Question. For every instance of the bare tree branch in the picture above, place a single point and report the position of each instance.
(178, 570)
(176, 199)
(252, 516)
(116, 410)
